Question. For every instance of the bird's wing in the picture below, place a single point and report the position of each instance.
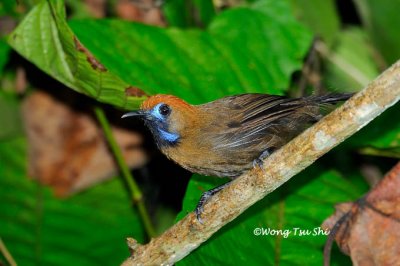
(260, 121)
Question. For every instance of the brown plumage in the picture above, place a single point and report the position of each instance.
(228, 136)
(224, 137)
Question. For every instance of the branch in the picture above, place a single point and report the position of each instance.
(243, 192)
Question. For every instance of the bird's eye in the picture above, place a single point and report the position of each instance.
(164, 110)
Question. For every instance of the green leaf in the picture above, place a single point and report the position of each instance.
(243, 50)
(350, 65)
(39, 229)
(381, 19)
(320, 16)
(304, 202)
(45, 39)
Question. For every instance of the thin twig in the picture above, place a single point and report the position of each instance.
(136, 194)
(7, 255)
(243, 192)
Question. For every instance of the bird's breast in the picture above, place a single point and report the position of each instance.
(196, 150)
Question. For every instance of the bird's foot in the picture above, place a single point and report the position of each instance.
(204, 198)
(260, 160)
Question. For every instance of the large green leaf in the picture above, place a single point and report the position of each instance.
(38, 229)
(242, 50)
(382, 19)
(246, 49)
(304, 202)
(320, 16)
(44, 38)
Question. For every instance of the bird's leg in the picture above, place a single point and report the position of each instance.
(259, 161)
(205, 197)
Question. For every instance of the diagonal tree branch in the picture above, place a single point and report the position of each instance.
(188, 234)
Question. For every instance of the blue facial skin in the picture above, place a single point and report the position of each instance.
(170, 137)
(158, 124)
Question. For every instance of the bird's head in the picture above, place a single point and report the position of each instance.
(166, 116)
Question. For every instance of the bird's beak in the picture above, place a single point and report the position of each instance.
(134, 113)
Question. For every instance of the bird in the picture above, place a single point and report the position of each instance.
(228, 136)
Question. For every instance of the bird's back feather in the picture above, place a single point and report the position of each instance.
(224, 137)
(249, 124)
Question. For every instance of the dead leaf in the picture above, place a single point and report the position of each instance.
(96, 8)
(67, 149)
(144, 11)
(368, 230)
(135, 92)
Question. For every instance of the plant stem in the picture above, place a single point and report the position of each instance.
(136, 193)
(7, 255)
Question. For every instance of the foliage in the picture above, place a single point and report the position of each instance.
(294, 205)
(38, 228)
(203, 55)
(206, 65)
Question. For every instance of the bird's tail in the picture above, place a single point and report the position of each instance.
(331, 98)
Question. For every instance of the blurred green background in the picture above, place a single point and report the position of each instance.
(199, 50)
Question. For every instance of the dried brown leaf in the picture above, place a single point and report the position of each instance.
(67, 149)
(369, 228)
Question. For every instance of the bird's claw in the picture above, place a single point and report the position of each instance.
(199, 210)
(200, 206)
(258, 163)
(204, 198)
(260, 160)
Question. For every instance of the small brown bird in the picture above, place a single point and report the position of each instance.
(228, 136)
